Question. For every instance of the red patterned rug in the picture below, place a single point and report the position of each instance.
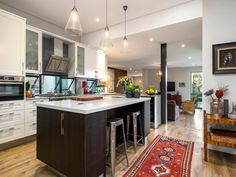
(164, 156)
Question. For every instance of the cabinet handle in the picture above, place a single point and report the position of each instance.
(62, 124)
(22, 68)
(40, 67)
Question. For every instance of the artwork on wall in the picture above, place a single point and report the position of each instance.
(224, 58)
(181, 84)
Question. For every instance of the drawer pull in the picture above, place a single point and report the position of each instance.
(62, 124)
(11, 129)
(34, 123)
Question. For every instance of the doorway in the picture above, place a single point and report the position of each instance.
(196, 89)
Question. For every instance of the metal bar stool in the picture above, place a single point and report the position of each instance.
(134, 115)
(113, 124)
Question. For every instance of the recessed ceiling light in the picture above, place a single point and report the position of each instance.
(182, 45)
(151, 39)
(135, 71)
(189, 57)
(97, 20)
(130, 69)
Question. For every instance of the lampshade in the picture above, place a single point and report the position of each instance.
(73, 26)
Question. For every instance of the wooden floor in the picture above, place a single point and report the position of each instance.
(21, 162)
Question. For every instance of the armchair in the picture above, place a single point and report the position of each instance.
(189, 106)
(172, 110)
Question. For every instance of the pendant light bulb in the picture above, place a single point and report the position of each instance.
(125, 42)
(73, 25)
(106, 32)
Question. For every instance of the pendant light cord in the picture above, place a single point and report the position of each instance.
(106, 14)
(125, 9)
(74, 4)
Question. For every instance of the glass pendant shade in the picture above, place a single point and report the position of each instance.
(73, 26)
(125, 42)
(106, 32)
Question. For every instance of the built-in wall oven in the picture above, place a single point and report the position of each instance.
(11, 88)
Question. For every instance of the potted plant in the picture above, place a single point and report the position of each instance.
(137, 91)
(124, 81)
(27, 88)
(133, 91)
(130, 91)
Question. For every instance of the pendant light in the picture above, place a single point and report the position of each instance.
(106, 28)
(106, 41)
(73, 26)
(125, 40)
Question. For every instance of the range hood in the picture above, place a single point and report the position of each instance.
(57, 64)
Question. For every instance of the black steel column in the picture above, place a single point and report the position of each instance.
(164, 83)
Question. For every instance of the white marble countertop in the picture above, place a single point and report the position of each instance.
(88, 107)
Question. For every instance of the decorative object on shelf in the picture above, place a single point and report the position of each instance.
(124, 81)
(217, 106)
(125, 39)
(224, 58)
(133, 91)
(181, 84)
(151, 91)
(27, 88)
(226, 108)
(73, 25)
(232, 115)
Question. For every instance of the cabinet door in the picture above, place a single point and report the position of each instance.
(12, 44)
(91, 63)
(80, 57)
(33, 51)
(101, 65)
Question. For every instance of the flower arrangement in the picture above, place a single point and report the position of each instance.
(219, 93)
(124, 81)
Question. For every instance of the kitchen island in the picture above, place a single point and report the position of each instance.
(71, 135)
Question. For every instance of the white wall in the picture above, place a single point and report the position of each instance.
(182, 75)
(37, 22)
(219, 26)
(173, 74)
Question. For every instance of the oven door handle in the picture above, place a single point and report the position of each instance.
(14, 83)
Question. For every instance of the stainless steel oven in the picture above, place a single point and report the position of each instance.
(11, 88)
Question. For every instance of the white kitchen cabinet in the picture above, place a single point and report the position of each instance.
(12, 44)
(11, 118)
(95, 64)
(33, 63)
(9, 106)
(77, 55)
(31, 116)
(11, 133)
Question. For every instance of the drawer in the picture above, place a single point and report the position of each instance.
(30, 115)
(30, 128)
(11, 105)
(11, 133)
(11, 118)
(31, 104)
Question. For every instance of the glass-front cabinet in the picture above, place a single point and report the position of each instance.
(33, 51)
(80, 60)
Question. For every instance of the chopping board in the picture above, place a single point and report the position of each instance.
(86, 98)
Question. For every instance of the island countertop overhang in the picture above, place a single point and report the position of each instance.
(88, 107)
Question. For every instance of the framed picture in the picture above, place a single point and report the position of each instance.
(224, 58)
(181, 84)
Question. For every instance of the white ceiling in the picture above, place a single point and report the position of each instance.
(57, 11)
(141, 53)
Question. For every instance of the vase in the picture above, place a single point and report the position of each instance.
(129, 95)
(217, 108)
(137, 94)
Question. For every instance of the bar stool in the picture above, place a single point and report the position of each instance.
(113, 124)
(134, 115)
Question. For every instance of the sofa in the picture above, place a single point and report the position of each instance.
(172, 110)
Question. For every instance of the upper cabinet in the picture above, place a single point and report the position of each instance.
(95, 64)
(77, 55)
(33, 63)
(12, 44)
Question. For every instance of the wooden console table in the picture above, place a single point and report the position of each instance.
(215, 138)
